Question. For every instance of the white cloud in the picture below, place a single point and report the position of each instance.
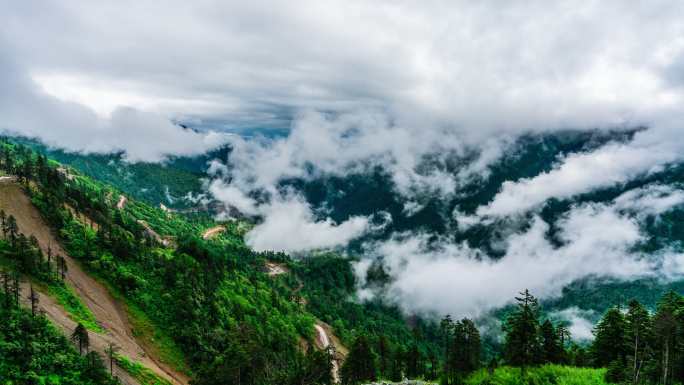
(581, 324)
(289, 225)
(612, 164)
(451, 278)
(650, 200)
(141, 136)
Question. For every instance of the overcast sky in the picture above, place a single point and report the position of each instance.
(370, 82)
(229, 64)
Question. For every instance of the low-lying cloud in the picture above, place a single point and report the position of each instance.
(598, 240)
(415, 89)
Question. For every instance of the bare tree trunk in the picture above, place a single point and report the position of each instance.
(636, 349)
(666, 358)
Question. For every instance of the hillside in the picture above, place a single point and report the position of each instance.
(112, 321)
(188, 302)
(125, 284)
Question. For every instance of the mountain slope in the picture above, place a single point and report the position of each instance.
(109, 313)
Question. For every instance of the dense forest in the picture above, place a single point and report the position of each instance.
(217, 315)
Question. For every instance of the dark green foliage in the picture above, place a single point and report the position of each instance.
(360, 365)
(329, 285)
(609, 343)
(34, 352)
(522, 346)
(552, 351)
(462, 350)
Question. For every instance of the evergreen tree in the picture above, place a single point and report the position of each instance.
(667, 327)
(551, 348)
(609, 348)
(33, 298)
(638, 338)
(360, 363)
(111, 350)
(80, 337)
(466, 348)
(521, 346)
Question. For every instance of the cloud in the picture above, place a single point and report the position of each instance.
(649, 151)
(289, 225)
(580, 322)
(654, 199)
(597, 240)
(479, 68)
(140, 136)
(416, 89)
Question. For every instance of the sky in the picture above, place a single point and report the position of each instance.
(359, 83)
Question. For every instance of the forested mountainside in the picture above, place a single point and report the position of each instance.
(203, 308)
(177, 183)
(371, 192)
(209, 309)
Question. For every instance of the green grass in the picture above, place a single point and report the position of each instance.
(78, 312)
(543, 375)
(147, 333)
(141, 373)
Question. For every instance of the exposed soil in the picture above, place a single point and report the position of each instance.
(109, 314)
(212, 232)
(122, 202)
(274, 269)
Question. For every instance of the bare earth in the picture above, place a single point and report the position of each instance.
(109, 313)
(212, 232)
(122, 202)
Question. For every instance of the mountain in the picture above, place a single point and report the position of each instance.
(187, 300)
(176, 301)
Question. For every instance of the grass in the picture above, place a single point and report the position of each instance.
(144, 330)
(543, 375)
(66, 298)
(78, 312)
(141, 373)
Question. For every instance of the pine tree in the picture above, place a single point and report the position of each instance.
(521, 345)
(360, 363)
(446, 327)
(466, 349)
(609, 348)
(384, 356)
(80, 337)
(666, 326)
(551, 348)
(638, 338)
(111, 350)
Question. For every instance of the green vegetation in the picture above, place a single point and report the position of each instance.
(227, 318)
(153, 183)
(78, 312)
(33, 352)
(24, 255)
(207, 308)
(144, 375)
(543, 375)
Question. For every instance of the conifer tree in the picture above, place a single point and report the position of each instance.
(638, 338)
(80, 337)
(609, 341)
(360, 363)
(551, 348)
(521, 345)
(33, 297)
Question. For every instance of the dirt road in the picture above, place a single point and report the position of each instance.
(109, 313)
